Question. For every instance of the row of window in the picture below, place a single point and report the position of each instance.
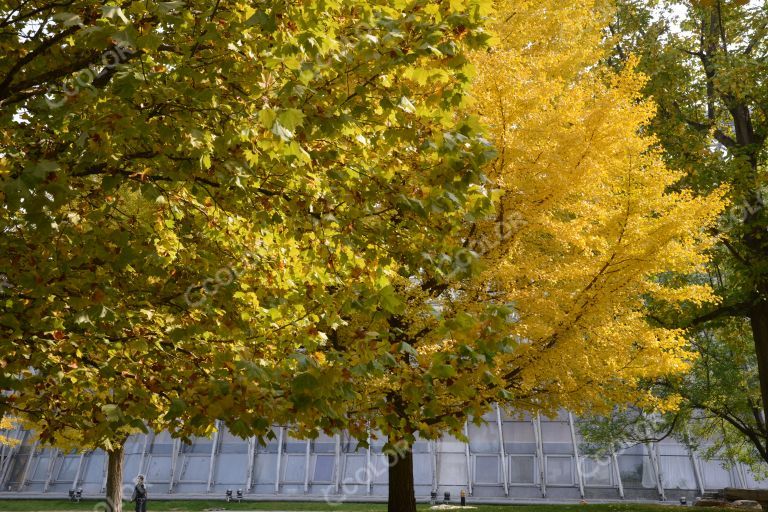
(677, 472)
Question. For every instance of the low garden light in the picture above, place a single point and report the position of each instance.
(229, 495)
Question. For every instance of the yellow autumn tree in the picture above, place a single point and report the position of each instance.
(7, 423)
(590, 224)
(543, 305)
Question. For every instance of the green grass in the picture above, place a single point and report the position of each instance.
(200, 506)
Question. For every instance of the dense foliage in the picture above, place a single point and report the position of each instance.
(194, 192)
(706, 63)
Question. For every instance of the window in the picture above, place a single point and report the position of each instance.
(323, 468)
(597, 472)
(677, 472)
(632, 469)
(559, 470)
(195, 469)
(487, 469)
(518, 432)
(354, 469)
(484, 438)
(293, 469)
(715, 475)
(452, 469)
(521, 469)
(68, 468)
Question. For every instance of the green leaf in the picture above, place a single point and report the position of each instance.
(267, 118)
(112, 412)
(389, 300)
(442, 371)
(177, 407)
(291, 118)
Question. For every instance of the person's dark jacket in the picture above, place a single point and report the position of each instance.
(139, 492)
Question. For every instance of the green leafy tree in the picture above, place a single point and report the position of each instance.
(191, 191)
(706, 61)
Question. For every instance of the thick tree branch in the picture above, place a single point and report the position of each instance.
(26, 59)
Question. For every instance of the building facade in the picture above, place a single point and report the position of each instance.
(507, 458)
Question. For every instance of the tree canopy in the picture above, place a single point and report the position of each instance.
(193, 191)
(378, 216)
(706, 61)
(546, 305)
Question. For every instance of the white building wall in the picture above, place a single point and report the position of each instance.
(514, 457)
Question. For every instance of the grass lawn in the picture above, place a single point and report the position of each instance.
(200, 506)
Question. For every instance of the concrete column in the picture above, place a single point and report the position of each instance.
(502, 451)
(214, 452)
(536, 422)
(49, 471)
(28, 464)
(10, 461)
(307, 460)
(617, 473)
(251, 460)
(78, 471)
(655, 464)
(174, 462)
(469, 459)
(368, 479)
(280, 433)
(656, 469)
(104, 472)
(433, 463)
(337, 469)
(142, 460)
(739, 469)
(4, 452)
(657, 453)
(696, 470)
(579, 474)
(6, 455)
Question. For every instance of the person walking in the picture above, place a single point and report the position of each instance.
(140, 495)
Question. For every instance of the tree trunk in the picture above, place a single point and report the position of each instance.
(402, 496)
(115, 478)
(759, 319)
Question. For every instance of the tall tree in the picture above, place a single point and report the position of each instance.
(706, 61)
(543, 305)
(191, 189)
